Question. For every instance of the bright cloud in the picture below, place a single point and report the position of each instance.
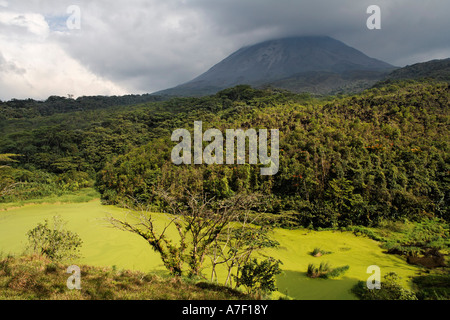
(32, 65)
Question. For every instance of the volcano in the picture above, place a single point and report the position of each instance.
(315, 64)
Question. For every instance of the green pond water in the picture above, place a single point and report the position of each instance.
(106, 246)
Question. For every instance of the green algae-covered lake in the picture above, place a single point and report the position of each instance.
(106, 246)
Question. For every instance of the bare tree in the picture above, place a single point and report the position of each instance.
(248, 235)
(143, 225)
(199, 220)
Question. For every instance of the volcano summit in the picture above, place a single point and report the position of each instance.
(315, 64)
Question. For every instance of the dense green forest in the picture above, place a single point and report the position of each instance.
(20, 109)
(348, 160)
(435, 69)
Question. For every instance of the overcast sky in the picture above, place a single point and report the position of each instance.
(141, 46)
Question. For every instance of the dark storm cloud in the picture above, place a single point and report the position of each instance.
(191, 36)
(144, 46)
(411, 30)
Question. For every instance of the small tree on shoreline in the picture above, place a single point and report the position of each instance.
(54, 242)
(238, 244)
(199, 220)
(259, 277)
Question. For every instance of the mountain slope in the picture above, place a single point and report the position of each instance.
(288, 63)
(435, 69)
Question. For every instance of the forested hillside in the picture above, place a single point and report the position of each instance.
(19, 109)
(382, 154)
(435, 69)
(356, 160)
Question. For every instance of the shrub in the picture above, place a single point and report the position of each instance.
(259, 277)
(427, 234)
(390, 290)
(55, 243)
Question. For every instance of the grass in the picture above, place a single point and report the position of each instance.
(105, 247)
(325, 271)
(316, 272)
(317, 252)
(37, 278)
(390, 289)
(433, 287)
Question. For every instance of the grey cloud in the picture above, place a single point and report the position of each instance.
(146, 46)
(408, 27)
(10, 67)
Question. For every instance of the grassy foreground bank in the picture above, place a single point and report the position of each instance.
(36, 277)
